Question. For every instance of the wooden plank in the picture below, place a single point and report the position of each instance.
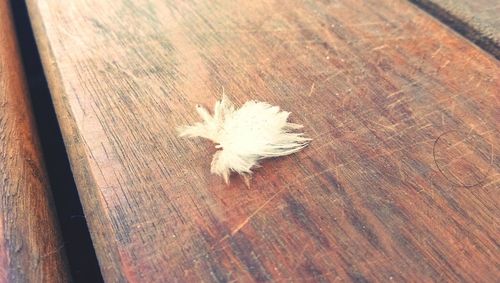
(31, 248)
(400, 181)
(478, 20)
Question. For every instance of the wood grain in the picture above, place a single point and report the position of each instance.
(478, 20)
(400, 183)
(31, 248)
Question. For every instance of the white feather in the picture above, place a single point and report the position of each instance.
(246, 135)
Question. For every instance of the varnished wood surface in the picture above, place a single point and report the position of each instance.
(478, 20)
(31, 248)
(400, 183)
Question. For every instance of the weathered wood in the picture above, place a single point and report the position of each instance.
(400, 182)
(31, 248)
(478, 20)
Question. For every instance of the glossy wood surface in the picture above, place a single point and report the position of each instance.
(31, 248)
(400, 182)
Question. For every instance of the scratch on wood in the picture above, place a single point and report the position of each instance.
(333, 76)
(445, 64)
(311, 91)
(242, 224)
(403, 88)
(57, 250)
(380, 47)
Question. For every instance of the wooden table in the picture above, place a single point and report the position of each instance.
(400, 182)
(31, 247)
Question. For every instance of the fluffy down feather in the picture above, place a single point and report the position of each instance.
(246, 135)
